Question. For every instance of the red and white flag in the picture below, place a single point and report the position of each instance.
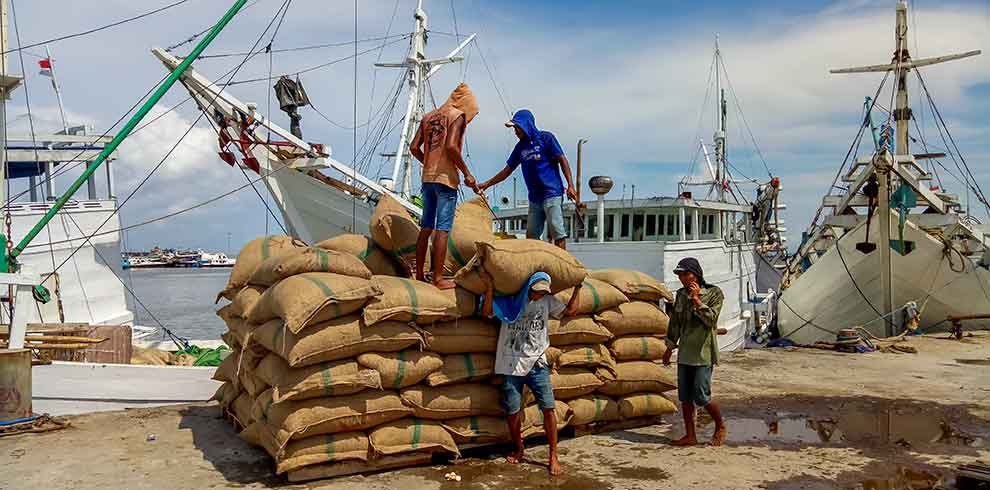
(46, 67)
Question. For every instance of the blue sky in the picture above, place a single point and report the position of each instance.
(630, 76)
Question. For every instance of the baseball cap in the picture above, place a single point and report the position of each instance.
(541, 285)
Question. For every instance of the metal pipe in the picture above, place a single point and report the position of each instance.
(126, 130)
(601, 218)
(577, 204)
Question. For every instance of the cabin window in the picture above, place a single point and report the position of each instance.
(707, 224)
(672, 228)
(522, 224)
(592, 227)
(624, 230)
(688, 224)
(637, 224)
(609, 227)
(651, 225)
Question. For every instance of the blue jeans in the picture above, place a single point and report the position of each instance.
(550, 210)
(538, 380)
(439, 202)
(694, 384)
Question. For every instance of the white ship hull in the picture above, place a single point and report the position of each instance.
(313, 211)
(730, 267)
(825, 298)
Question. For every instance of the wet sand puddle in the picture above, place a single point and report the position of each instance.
(874, 426)
(496, 474)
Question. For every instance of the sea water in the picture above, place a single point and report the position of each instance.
(181, 299)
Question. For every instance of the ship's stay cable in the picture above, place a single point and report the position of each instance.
(195, 36)
(173, 148)
(311, 47)
(742, 116)
(98, 29)
(34, 140)
(374, 73)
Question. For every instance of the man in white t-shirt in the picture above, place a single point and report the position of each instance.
(521, 359)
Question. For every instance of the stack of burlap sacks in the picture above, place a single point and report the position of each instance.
(341, 366)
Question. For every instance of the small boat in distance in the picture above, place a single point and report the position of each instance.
(216, 260)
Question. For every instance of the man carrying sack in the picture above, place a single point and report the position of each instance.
(692, 330)
(437, 145)
(521, 354)
(540, 156)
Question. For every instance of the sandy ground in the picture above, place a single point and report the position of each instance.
(797, 419)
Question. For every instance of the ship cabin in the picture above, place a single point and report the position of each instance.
(655, 219)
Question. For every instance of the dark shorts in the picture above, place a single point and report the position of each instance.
(694, 384)
(439, 202)
(538, 380)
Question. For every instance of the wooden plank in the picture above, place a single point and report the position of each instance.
(344, 468)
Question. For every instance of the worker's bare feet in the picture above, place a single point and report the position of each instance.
(444, 284)
(515, 457)
(554, 466)
(718, 437)
(685, 441)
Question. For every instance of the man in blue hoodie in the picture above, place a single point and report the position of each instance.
(540, 156)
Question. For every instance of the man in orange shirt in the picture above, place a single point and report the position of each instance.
(437, 145)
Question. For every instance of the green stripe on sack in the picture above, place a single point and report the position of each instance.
(417, 433)
(454, 253)
(405, 250)
(469, 365)
(589, 354)
(413, 299)
(264, 412)
(327, 291)
(331, 449)
(400, 370)
(266, 249)
(597, 301)
(277, 339)
(475, 428)
(327, 380)
(598, 408)
(644, 348)
(371, 248)
(324, 260)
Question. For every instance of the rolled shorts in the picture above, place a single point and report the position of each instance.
(550, 210)
(439, 203)
(538, 380)
(694, 384)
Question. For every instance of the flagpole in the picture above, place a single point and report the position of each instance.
(58, 93)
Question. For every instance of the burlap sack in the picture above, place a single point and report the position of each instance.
(226, 394)
(364, 248)
(245, 300)
(635, 284)
(227, 313)
(634, 318)
(401, 369)
(241, 408)
(478, 430)
(310, 259)
(592, 356)
(593, 408)
(325, 448)
(311, 298)
(395, 230)
(571, 382)
(638, 348)
(595, 296)
(532, 419)
(577, 330)
(339, 378)
(240, 329)
(251, 384)
(227, 370)
(154, 357)
(512, 262)
(454, 401)
(472, 224)
(409, 435)
(340, 338)
(645, 405)
(354, 467)
(639, 376)
(251, 434)
(463, 368)
(408, 300)
(462, 336)
(252, 255)
(293, 420)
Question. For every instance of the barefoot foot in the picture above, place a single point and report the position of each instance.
(444, 284)
(554, 466)
(515, 457)
(685, 441)
(718, 437)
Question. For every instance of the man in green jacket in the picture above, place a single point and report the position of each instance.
(692, 330)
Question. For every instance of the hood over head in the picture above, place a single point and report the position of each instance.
(462, 98)
(524, 119)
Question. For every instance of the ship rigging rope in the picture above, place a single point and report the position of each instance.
(172, 149)
(742, 116)
(98, 29)
(309, 47)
